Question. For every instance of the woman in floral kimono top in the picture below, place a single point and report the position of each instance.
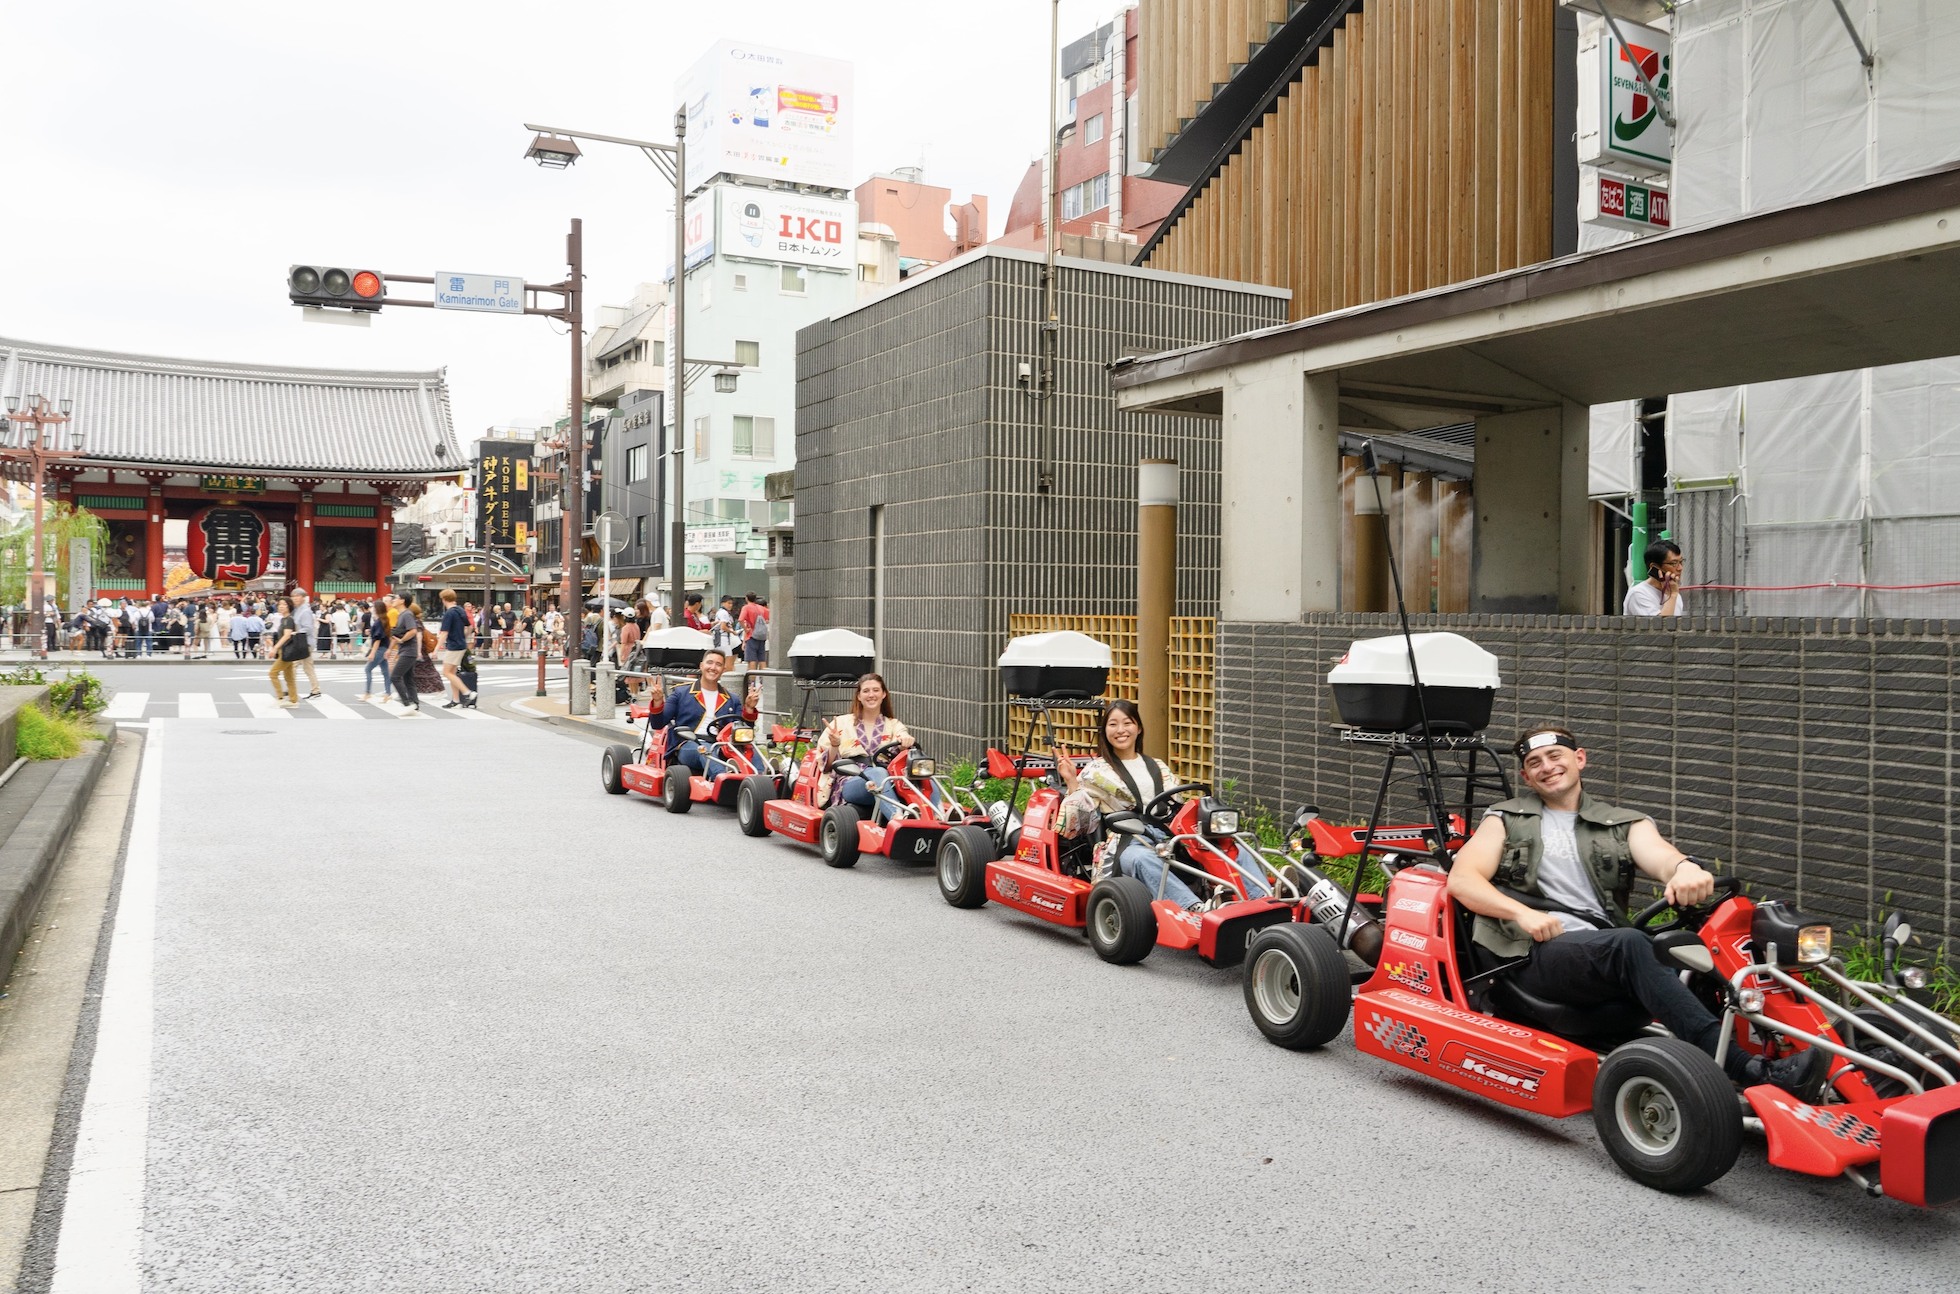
(858, 735)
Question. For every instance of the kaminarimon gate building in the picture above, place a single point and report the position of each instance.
(214, 476)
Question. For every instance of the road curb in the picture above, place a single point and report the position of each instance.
(28, 856)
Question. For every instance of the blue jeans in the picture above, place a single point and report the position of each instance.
(377, 664)
(143, 640)
(701, 757)
(1141, 861)
(871, 793)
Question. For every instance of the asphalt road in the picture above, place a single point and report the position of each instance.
(611, 1049)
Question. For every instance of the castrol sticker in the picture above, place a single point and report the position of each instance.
(1408, 939)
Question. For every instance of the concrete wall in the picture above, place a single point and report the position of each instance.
(910, 405)
(1816, 757)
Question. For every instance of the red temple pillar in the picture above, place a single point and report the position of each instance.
(302, 572)
(384, 542)
(153, 540)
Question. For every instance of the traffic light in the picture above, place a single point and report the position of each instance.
(330, 285)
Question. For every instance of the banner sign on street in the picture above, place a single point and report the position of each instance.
(494, 293)
(503, 493)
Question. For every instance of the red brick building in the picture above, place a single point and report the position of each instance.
(236, 476)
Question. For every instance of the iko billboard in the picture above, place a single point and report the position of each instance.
(774, 226)
(770, 114)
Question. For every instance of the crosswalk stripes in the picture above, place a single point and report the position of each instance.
(263, 706)
(126, 705)
(196, 705)
(331, 708)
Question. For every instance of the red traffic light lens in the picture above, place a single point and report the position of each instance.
(367, 284)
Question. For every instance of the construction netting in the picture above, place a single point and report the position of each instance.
(1839, 494)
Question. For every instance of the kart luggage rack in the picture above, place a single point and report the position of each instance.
(1478, 769)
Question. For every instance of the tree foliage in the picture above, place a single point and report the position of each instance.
(62, 523)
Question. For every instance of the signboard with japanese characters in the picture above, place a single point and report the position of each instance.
(503, 493)
(770, 114)
(232, 545)
(1624, 202)
(774, 226)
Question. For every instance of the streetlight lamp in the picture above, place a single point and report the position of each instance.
(32, 436)
(555, 148)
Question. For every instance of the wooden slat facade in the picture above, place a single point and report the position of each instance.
(1415, 151)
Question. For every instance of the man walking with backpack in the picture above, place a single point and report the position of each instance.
(755, 631)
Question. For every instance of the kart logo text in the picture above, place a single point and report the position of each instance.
(1411, 905)
(1047, 901)
(1494, 1071)
(1409, 975)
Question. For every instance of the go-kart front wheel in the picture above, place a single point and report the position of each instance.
(837, 839)
(677, 792)
(1122, 924)
(961, 864)
(753, 794)
(611, 763)
(1296, 985)
(1667, 1114)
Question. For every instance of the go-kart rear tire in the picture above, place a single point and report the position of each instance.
(837, 838)
(1885, 1085)
(961, 865)
(1296, 985)
(677, 791)
(1122, 925)
(611, 763)
(1667, 1114)
(749, 798)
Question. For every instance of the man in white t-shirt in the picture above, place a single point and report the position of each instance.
(1660, 593)
(1549, 874)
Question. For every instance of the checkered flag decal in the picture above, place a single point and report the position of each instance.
(1396, 1036)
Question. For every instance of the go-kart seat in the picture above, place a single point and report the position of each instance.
(1607, 1020)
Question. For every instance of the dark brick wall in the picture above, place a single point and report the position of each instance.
(1818, 757)
(910, 404)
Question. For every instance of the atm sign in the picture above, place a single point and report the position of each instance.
(1624, 202)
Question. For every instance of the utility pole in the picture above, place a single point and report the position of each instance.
(32, 427)
(574, 518)
(677, 534)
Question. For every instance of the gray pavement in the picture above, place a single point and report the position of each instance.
(604, 1048)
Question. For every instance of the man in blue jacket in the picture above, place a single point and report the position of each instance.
(699, 705)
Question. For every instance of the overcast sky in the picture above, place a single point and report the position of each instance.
(184, 154)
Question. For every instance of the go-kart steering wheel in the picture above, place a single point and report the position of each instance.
(1688, 917)
(1162, 805)
(885, 754)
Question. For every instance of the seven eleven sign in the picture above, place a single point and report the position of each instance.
(1620, 120)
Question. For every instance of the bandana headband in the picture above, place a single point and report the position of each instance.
(1540, 740)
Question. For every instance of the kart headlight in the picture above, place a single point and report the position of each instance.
(1913, 976)
(1814, 945)
(1797, 939)
(1749, 1001)
(1222, 822)
(922, 768)
(742, 736)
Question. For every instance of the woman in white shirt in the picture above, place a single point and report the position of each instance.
(1123, 778)
(859, 735)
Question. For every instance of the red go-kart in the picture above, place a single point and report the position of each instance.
(911, 834)
(1665, 1110)
(1072, 883)
(731, 758)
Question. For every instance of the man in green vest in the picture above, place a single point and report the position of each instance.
(1549, 874)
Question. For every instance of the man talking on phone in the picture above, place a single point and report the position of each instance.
(1660, 593)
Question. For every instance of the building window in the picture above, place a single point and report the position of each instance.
(741, 283)
(660, 353)
(748, 354)
(700, 439)
(793, 284)
(640, 531)
(755, 437)
(1092, 130)
(636, 463)
(1079, 200)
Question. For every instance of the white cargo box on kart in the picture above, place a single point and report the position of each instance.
(1063, 665)
(1372, 688)
(676, 648)
(831, 656)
